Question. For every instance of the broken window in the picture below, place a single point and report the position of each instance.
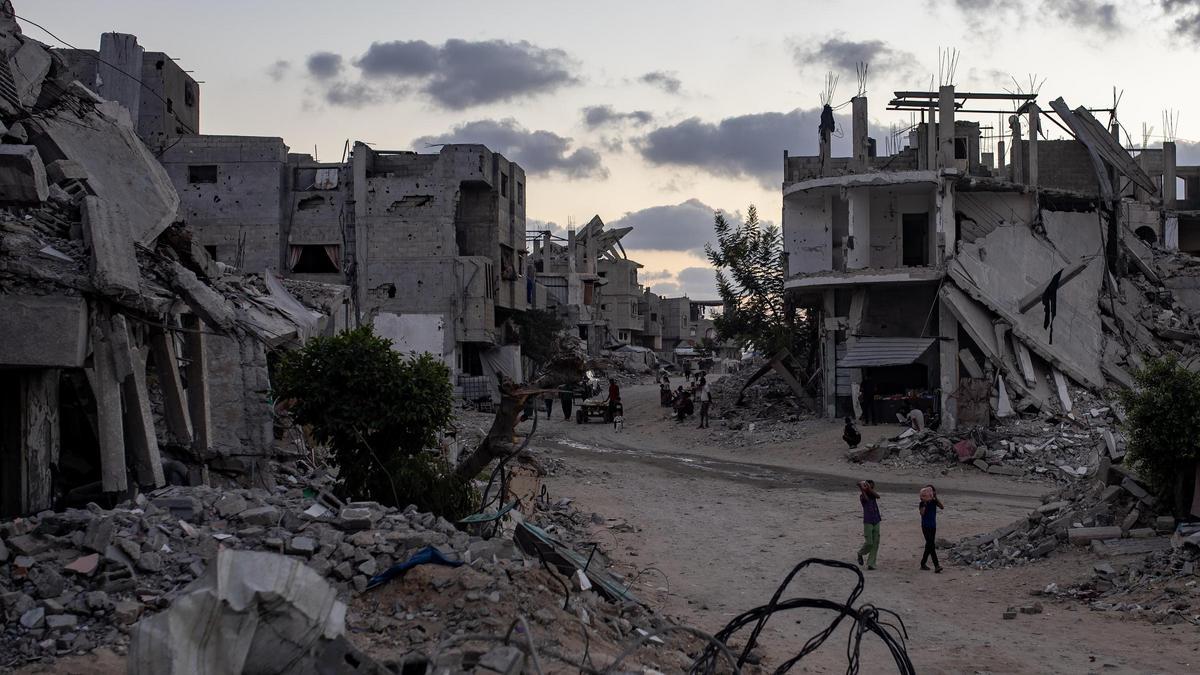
(520, 193)
(412, 200)
(310, 203)
(653, 317)
(915, 239)
(503, 185)
(202, 173)
(315, 258)
(314, 178)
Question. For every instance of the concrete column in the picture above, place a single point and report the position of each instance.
(120, 72)
(1018, 154)
(1168, 179)
(948, 366)
(1000, 158)
(162, 343)
(195, 344)
(829, 355)
(946, 231)
(106, 388)
(1035, 123)
(858, 257)
(39, 437)
(946, 125)
(858, 305)
(931, 142)
(861, 131)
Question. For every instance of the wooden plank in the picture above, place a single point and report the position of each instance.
(162, 345)
(1064, 396)
(40, 437)
(199, 407)
(106, 389)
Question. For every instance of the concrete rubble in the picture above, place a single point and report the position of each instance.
(83, 578)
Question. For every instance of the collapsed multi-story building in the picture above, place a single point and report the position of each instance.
(944, 276)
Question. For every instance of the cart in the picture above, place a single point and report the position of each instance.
(589, 409)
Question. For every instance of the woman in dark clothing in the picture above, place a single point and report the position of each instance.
(928, 507)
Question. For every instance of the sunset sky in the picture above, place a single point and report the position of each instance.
(649, 113)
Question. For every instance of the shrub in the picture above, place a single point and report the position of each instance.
(373, 408)
(1163, 424)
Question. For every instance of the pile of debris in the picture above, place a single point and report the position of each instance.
(1114, 514)
(1161, 585)
(78, 579)
(768, 411)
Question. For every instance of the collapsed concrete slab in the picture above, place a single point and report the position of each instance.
(120, 168)
(43, 330)
(1002, 268)
(114, 265)
(22, 175)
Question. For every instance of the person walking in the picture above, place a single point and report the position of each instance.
(564, 397)
(869, 499)
(928, 507)
(548, 400)
(704, 395)
(614, 399)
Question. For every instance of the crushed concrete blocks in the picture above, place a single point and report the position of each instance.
(22, 175)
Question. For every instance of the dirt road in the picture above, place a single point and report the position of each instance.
(713, 531)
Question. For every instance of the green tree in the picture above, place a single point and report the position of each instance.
(538, 330)
(376, 410)
(750, 274)
(1163, 425)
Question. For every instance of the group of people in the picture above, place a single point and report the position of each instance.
(683, 400)
(927, 507)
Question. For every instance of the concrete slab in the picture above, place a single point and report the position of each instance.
(22, 175)
(106, 233)
(120, 168)
(1004, 266)
(43, 331)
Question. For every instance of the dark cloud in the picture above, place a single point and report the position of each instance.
(845, 55)
(537, 151)
(414, 58)
(675, 227)
(668, 82)
(278, 70)
(457, 75)
(324, 65)
(352, 94)
(603, 115)
(1088, 14)
(741, 146)
(1187, 17)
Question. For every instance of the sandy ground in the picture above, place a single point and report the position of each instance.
(714, 531)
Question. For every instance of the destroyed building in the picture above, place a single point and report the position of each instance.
(966, 269)
(128, 358)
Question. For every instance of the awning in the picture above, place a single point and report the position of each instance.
(867, 352)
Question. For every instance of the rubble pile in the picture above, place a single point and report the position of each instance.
(77, 579)
(1113, 514)
(1161, 585)
(769, 412)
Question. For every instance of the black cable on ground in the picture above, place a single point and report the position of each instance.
(865, 620)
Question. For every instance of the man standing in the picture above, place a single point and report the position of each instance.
(564, 396)
(870, 506)
(614, 398)
(705, 397)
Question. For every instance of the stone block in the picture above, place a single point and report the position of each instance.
(98, 535)
(63, 170)
(1085, 535)
(114, 266)
(127, 611)
(43, 330)
(981, 465)
(28, 544)
(262, 515)
(61, 621)
(1164, 524)
(85, 565)
(182, 508)
(230, 505)
(22, 175)
(1004, 470)
(33, 618)
(304, 546)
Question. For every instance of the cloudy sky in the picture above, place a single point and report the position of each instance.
(650, 114)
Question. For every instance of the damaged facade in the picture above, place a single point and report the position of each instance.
(128, 358)
(971, 282)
